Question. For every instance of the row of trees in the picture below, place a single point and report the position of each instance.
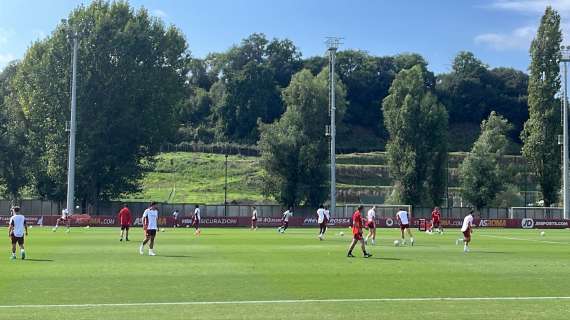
(139, 87)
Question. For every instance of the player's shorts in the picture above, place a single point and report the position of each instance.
(151, 232)
(196, 224)
(64, 219)
(467, 234)
(18, 240)
(253, 219)
(405, 226)
(358, 236)
(125, 227)
(370, 225)
(435, 223)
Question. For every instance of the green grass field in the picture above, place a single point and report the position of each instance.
(254, 273)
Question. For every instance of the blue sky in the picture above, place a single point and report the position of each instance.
(497, 31)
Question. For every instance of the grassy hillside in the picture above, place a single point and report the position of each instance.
(199, 177)
(186, 177)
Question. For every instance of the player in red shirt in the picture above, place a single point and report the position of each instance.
(357, 223)
(435, 220)
(125, 219)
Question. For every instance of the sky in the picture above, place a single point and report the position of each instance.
(498, 32)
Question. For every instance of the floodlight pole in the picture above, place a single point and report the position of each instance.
(565, 51)
(332, 44)
(72, 129)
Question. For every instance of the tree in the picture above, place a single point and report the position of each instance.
(249, 89)
(543, 126)
(481, 173)
(417, 147)
(131, 75)
(294, 149)
(14, 154)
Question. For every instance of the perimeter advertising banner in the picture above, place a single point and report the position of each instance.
(108, 221)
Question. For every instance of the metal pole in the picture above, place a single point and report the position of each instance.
(226, 187)
(333, 45)
(72, 130)
(565, 143)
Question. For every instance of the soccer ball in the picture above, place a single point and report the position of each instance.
(542, 233)
(162, 230)
(396, 243)
(341, 234)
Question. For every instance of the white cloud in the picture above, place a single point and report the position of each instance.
(5, 35)
(519, 38)
(5, 58)
(159, 13)
(531, 6)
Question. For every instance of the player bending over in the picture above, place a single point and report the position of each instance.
(65, 218)
(327, 219)
(467, 229)
(371, 225)
(321, 222)
(403, 218)
(175, 215)
(254, 219)
(357, 233)
(196, 220)
(150, 225)
(435, 220)
(16, 231)
(285, 220)
(125, 219)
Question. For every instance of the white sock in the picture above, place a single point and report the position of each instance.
(465, 248)
(412, 239)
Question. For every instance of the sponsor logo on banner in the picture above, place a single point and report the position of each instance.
(527, 223)
(219, 221)
(389, 222)
(551, 224)
(501, 223)
(339, 222)
(310, 221)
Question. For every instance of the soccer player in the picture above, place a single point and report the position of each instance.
(321, 222)
(467, 229)
(175, 216)
(196, 220)
(125, 219)
(16, 231)
(403, 218)
(327, 219)
(435, 220)
(371, 225)
(357, 233)
(285, 220)
(65, 218)
(150, 225)
(254, 219)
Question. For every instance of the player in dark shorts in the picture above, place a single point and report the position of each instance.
(125, 219)
(196, 220)
(65, 218)
(17, 229)
(254, 219)
(357, 224)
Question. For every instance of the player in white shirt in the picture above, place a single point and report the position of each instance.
(467, 229)
(285, 220)
(371, 225)
(16, 231)
(254, 219)
(150, 226)
(321, 222)
(327, 219)
(65, 218)
(196, 220)
(175, 215)
(403, 218)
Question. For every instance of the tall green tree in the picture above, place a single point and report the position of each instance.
(481, 173)
(543, 126)
(131, 74)
(14, 151)
(249, 88)
(294, 149)
(417, 147)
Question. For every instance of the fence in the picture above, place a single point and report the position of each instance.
(47, 208)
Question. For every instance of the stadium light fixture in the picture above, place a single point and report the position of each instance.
(332, 45)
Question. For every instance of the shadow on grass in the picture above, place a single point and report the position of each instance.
(39, 260)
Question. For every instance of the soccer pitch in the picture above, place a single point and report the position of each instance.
(242, 274)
